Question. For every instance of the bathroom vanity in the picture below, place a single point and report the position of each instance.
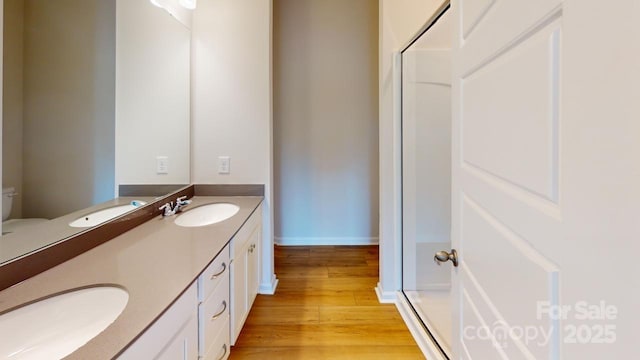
(190, 288)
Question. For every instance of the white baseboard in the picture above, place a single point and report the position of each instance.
(301, 241)
(385, 297)
(428, 347)
(269, 288)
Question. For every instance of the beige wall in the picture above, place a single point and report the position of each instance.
(231, 90)
(13, 100)
(325, 121)
(231, 102)
(68, 105)
(152, 94)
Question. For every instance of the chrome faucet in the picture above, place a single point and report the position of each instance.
(180, 203)
(168, 209)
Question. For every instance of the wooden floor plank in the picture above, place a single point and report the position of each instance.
(302, 271)
(317, 298)
(278, 315)
(329, 284)
(365, 298)
(380, 315)
(327, 352)
(324, 335)
(352, 271)
(325, 307)
(324, 260)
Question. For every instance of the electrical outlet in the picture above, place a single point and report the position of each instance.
(162, 164)
(224, 165)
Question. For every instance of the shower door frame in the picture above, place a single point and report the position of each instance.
(444, 7)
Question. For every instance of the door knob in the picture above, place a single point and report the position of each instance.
(443, 256)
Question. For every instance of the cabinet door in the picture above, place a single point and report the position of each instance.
(239, 292)
(220, 347)
(184, 345)
(245, 271)
(173, 336)
(253, 266)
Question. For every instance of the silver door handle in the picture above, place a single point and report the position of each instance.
(443, 256)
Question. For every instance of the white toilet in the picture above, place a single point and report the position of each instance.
(13, 225)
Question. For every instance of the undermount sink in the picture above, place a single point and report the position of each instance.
(207, 214)
(57, 326)
(98, 217)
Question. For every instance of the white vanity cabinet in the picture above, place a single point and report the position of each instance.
(213, 308)
(207, 318)
(245, 271)
(196, 326)
(173, 336)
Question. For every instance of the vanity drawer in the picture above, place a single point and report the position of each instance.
(220, 348)
(214, 316)
(217, 271)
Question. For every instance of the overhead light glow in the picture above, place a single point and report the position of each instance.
(157, 3)
(188, 4)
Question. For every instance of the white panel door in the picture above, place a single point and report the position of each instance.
(546, 179)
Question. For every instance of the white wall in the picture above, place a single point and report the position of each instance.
(399, 21)
(231, 102)
(152, 94)
(68, 105)
(325, 122)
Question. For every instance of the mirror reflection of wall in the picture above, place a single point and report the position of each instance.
(94, 92)
(58, 105)
(153, 81)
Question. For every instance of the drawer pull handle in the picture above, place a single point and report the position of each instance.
(224, 308)
(224, 268)
(224, 353)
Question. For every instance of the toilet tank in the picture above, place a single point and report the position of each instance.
(7, 202)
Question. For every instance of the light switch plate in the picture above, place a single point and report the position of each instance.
(224, 165)
(162, 164)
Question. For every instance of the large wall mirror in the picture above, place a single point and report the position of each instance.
(95, 95)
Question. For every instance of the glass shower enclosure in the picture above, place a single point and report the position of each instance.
(426, 176)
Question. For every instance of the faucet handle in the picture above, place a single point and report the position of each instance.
(181, 201)
(168, 209)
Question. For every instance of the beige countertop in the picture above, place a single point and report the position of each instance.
(155, 262)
